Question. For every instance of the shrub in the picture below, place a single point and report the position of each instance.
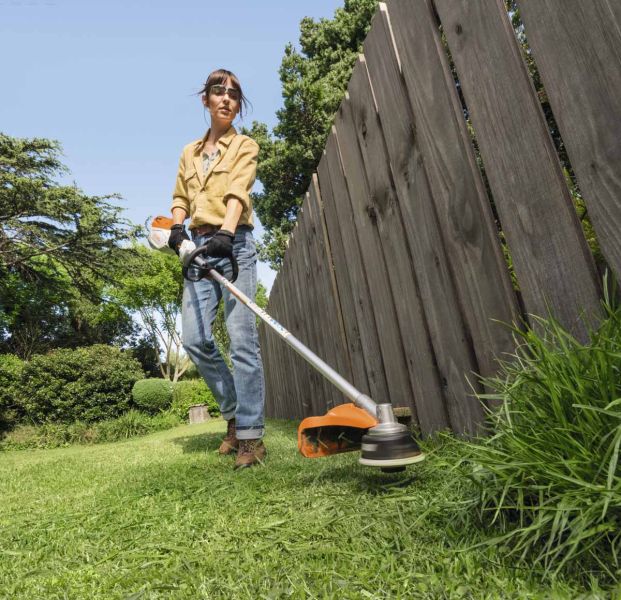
(90, 384)
(550, 476)
(54, 435)
(134, 423)
(153, 395)
(11, 368)
(190, 392)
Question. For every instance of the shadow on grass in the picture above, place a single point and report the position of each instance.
(204, 442)
(361, 479)
(207, 442)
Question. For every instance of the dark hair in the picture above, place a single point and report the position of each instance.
(218, 77)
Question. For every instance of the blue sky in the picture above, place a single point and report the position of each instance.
(114, 81)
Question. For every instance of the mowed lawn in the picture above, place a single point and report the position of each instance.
(164, 516)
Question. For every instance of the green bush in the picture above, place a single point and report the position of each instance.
(55, 435)
(189, 392)
(550, 476)
(88, 384)
(11, 368)
(153, 395)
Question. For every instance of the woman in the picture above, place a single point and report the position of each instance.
(215, 177)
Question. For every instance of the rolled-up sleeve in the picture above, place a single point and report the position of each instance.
(243, 173)
(180, 193)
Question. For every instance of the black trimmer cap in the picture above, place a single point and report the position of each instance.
(391, 451)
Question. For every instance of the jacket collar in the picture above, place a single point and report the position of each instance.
(222, 143)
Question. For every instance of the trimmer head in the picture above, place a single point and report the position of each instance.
(345, 428)
(390, 447)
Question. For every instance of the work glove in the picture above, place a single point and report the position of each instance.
(221, 244)
(177, 235)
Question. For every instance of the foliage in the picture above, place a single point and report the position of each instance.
(154, 288)
(55, 435)
(88, 384)
(550, 477)
(145, 351)
(58, 248)
(313, 80)
(48, 230)
(35, 318)
(11, 368)
(190, 392)
(153, 395)
(219, 326)
(164, 516)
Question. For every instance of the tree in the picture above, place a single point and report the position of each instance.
(154, 288)
(58, 248)
(35, 318)
(313, 82)
(48, 230)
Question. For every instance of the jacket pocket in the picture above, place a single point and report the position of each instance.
(218, 181)
(192, 184)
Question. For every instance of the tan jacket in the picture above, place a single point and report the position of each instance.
(204, 195)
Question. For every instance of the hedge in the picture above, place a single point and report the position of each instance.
(11, 368)
(55, 435)
(87, 384)
(153, 395)
(189, 392)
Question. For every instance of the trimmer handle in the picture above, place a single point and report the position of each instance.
(204, 266)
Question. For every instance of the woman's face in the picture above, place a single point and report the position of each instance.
(221, 106)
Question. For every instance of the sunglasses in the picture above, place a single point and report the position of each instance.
(220, 90)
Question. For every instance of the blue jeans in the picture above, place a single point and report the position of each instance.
(240, 394)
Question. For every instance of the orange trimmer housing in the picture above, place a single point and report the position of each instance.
(339, 430)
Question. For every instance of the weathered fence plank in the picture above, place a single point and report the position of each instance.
(374, 200)
(374, 268)
(328, 320)
(453, 353)
(368, 371)
(577, 46)
(269, 353)
(325, 256)
(297, 387)
(468, 230)
(313, 292)
(308, 380)
(276, 397)
(552, 262)
(335, 243)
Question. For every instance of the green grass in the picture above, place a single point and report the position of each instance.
(164, 516)
(549, 479)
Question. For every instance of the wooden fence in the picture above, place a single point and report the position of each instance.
(395, 273)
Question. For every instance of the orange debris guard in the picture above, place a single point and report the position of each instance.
(339, 430)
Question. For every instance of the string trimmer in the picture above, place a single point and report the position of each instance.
(359, 425)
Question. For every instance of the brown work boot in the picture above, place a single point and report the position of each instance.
(230, 443)
(251, 452)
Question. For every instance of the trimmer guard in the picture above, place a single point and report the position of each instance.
(339, 430)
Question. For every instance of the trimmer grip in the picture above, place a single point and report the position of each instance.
(204, 266)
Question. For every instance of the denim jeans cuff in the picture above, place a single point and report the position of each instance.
(249, 433)
(228, 416)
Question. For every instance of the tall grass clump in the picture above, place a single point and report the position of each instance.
(549, 478)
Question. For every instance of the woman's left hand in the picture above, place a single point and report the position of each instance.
(221, 244)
